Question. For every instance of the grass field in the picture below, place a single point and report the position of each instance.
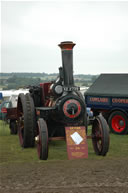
(10, 150)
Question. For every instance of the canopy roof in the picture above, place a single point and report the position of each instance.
(109, 85)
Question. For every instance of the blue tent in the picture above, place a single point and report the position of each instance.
(1, 96)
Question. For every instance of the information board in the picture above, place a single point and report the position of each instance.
(76, 139)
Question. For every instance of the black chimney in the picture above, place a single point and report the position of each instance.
(67, 62)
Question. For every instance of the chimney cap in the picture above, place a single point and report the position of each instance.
(66, 45)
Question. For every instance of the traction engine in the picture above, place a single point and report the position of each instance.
(47, 109)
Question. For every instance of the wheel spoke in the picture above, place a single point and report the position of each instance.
(100, 135)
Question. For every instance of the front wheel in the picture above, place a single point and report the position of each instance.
(100, 136)
(42, 143)
(118, 123)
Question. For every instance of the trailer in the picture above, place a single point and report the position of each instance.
(8, 109)
(109, 95)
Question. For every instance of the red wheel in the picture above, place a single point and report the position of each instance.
(42, 142)
(118, 122)
(100, 136)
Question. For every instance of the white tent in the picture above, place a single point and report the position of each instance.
(8, 93)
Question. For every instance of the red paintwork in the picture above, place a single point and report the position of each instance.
(65, 108)
(66, 45)
(45, 93)
(116, 123)
(76, 151)
(20, 136)
(4, 110)
(12, 113)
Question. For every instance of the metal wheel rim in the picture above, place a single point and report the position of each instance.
(115, 123)
(39, 144)
(39, 141)
(98, 137)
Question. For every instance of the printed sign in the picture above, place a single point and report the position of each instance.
(120, 101)
(76, 139)
(98, 100)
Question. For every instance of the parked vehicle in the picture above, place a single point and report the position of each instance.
(109, 95)
(45, 112)
(3, 109)
(8, 113)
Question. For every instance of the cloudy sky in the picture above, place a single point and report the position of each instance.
(31, 31)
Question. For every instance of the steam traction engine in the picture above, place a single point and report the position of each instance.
(47, 109)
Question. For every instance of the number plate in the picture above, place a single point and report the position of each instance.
(74, 88)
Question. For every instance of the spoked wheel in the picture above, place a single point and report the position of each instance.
(26, 120)
(42, 142)
(118, 123)
(100, 136)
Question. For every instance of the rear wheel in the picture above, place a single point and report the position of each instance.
(100, 136)
(118, 123)
(26, 120)
(42, 143)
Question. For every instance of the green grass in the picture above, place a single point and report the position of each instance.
(11, 151)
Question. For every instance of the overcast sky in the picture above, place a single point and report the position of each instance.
(31, 31)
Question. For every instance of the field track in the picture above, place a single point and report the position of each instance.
(22, 172)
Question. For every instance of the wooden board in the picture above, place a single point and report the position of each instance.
(76, 139)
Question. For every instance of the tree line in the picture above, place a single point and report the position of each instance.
(23, 80)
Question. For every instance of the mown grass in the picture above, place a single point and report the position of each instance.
(11, 151)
